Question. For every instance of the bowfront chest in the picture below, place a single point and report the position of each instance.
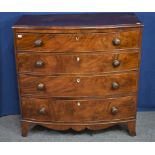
(78, 70)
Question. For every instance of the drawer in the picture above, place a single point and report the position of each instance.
(100, 85)
(35, 109)
(76, 64)
(112, 109)
(82, 42)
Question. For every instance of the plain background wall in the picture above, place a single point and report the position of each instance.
(9, 103)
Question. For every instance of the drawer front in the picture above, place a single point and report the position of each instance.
(78, 86)
(76, 42)
(34, 109)
(76, 64)
(80, 110)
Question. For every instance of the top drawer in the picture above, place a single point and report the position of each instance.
(81, 42)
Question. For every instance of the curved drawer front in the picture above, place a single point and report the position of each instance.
(79, 110)
(35, 109)
(78, 86)
(82, 42)
(76, 64)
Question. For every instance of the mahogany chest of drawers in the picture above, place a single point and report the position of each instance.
(78, 71)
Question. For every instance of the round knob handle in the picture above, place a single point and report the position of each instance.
(116, 41)
(42, 111)
(38, 43)
(116, 63)
(115, 85)
(114, 110)
(39, 63)
(40, 86)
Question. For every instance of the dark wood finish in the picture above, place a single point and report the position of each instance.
(25, 128)
(32, 109)
(78, 126)
(76, 111)
(77, 63)
(69, 85)
(78, 71)
(131, 128)
(90, 20)
(80, 42)
(75, 30)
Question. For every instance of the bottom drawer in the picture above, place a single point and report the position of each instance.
(90, 110)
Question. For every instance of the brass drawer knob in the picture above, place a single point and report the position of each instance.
(41, 86)
(115, 85)
(78, 80)
(116, 63)
(39, 63)
(116, 41)
(38, 43)
(114, 110)
(42, 111)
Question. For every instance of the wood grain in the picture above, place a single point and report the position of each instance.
(77, 63)
(68, 85)
(31, 108)
(68, 42)
(82, 20)
(70, 111)
(78, 95)
(75, 126)
(75, 30)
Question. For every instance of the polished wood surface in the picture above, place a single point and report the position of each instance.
(69, 85)
(92, 20)
(31, 109)
(74, 111)
(79, 42)
(79, 126)
(73, 30)
(78, 71)
(132, 128)
(77, 63)
(93, 110)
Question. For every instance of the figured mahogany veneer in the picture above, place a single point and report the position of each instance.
(70, 86)
(76, 42)
(78, 71)
(76, 111)
(77, 63)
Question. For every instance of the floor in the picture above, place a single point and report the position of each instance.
(10, 132)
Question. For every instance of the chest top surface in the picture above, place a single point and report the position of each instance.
(87, 20)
